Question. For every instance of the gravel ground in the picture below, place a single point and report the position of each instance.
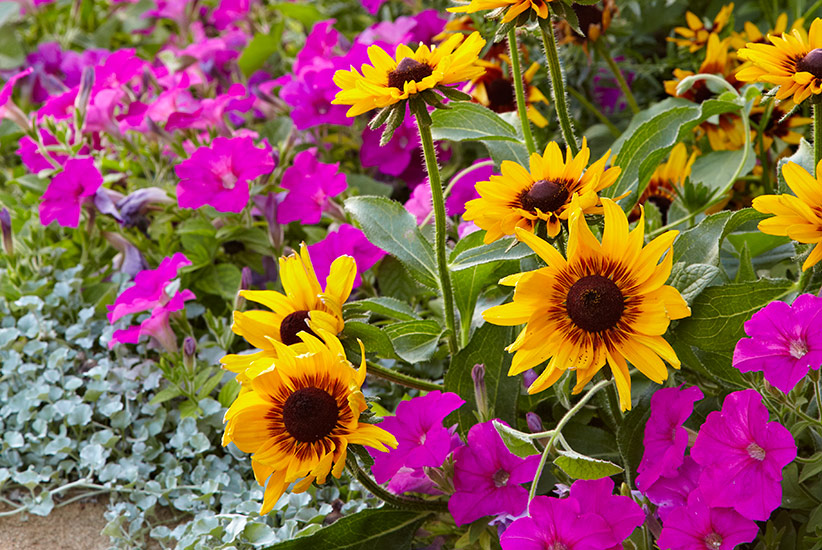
(76, 526)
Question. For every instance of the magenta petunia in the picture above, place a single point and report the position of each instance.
(785, 341)
(8, 89)
(310, 93)
(557, 523)
(668, 493)
(423, 440)
(349, 240)
(68, 190)
(463, 186)
(488, 477)
(743, 456)
(665, 438)
(228, 12)
(149, 294)
(395, 156)
(697, 526)
(310, 184)
(372, 6)
(218, 174)
(621, 514)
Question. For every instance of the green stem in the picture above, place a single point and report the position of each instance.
(558, 84)
(439, 233)
(596, 112)
(557, 432)
(518, 89)
(391, 499)
(810, 11)
(623, 85)
(400, 378)
(817, 134)
(453, 182)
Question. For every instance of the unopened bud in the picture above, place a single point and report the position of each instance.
(534, 422)
(189, 353)
(5, 226)
(82, 98)
(245, 284)
(480, 392)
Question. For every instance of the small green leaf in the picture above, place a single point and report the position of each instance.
(503, 249)
(517, 442)
(701, 244)
(374, 340)
(259, 49)
(579, 466)
(415, 341)
(691, 279)
(305, 13)
(384, 306)
(165, 394)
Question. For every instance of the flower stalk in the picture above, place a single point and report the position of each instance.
(402, 379)
(395, 501)
(516, 70)
(439, 230)
(549, 40)
(620, 78)
(817, 132)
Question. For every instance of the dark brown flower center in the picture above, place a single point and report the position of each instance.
(595, 303)
(663, 204)
(501, 95)
(811, 63)
(292, 325)
(588, 15)
(546, 195)
(408, 70)
(310, 414)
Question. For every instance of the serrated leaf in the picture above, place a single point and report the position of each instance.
(691, 279)
(365, 530)
(388, 225)
(579, 466)
(516, 441)
(486, 253)
(702, 243)
(373, 338)
(414, 341)
(384, 306)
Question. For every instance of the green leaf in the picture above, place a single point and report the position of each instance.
(368, 186)
(718, 314)
(516, 441)
(702, 243)
(756, 242)
(12, 54)
(388, 225)
(486, 347)
(229, 392)
(579, 466)
(803, 157)
(415, 341)
(464, 257)
(305, 13)
(259, 49)
(715, 169)
(470, 283)
(221, 280)
(384, 306)
(7, 11)
(199, 241)
(166, 394)
(651, 135)
(691, 279)
(473, 122)
(745, 273)
(374, 340)
(365, 530)
(630, 436)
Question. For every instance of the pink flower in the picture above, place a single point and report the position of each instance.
(667, 493)
(700, 527)
(743, 456)
(557, 523)
(68, 190)
(8, 89)
(785, 341)
(349, 240)
(665, 438)
(372, 6)
(149, 294)
(621, 514)
(487, 477)
(423, 441)
(420, 203)
(310, 185)
(228, 12)
(463, 186)
(218, 175)
(394, 157)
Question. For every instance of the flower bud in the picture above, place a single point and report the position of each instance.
(189, 353)
(534, 422)
(480, 392)
(5, 226)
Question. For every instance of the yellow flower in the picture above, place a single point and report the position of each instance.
(798, 217)
(513, 7)
(552, 188)
(305, 306)
(696, 34)
(665, 181)
(390, 80)
(716, 62)
(299, 417)
(495, 90)
(607, 302)
(792, 62)
(751, 32)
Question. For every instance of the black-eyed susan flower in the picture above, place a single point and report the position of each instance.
(388, 81)
(751, 32)
(299, 417)
(666, 179)
(695, 35)
(608, 302)
(796, 216)
(552, 188)
(793, 62)
(305, 306)
(495, 90)
(511, 8)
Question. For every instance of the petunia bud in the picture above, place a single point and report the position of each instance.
(82, 98)
(189, 353)
(245, 284)
(480, 392)
(5, 226)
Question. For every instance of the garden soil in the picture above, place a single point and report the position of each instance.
(76, 526)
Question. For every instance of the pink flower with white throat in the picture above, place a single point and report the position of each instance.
(218, 174)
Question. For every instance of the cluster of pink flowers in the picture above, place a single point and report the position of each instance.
(731, 478)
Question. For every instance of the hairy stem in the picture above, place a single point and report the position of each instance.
(518, 89)
(391, 499)
(400, 378)
(558, 84)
